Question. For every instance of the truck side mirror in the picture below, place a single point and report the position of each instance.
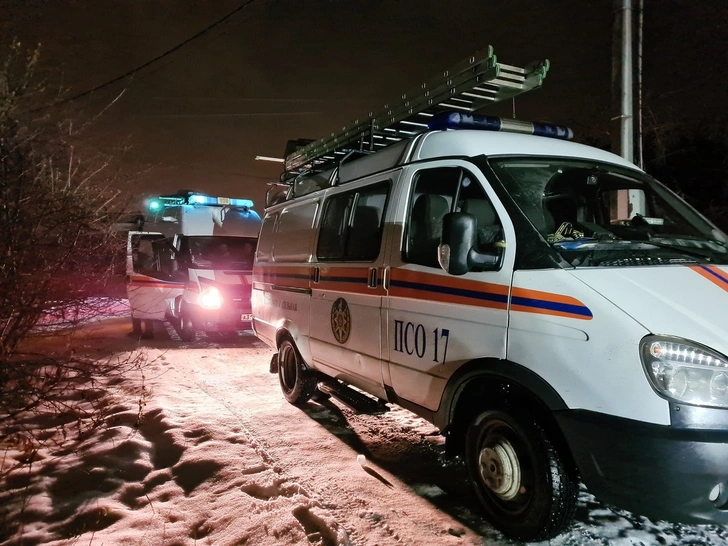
(458, 252)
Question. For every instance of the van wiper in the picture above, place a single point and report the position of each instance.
(695, 252)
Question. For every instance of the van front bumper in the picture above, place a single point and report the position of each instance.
(660, 472)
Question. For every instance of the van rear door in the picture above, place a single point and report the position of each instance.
(149, 287)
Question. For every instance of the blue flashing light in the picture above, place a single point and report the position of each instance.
(235, 202)
(458, 120)
(198, 199)
(155, 205)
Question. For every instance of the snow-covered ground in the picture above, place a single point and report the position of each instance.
(220, 458)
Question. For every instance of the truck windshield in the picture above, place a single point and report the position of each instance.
(596, 214)
(216, 252)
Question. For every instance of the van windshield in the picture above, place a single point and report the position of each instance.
(596, 214)
(216, 252)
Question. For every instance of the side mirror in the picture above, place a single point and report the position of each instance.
(457, 252)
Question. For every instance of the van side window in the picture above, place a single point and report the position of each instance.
(143, 255)
(294, 232)
(265, 241)
(351, 226)
(440, 191)
(153, 255)
(164, 254)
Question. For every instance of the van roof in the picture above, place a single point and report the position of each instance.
(463, 143)
(472, 143)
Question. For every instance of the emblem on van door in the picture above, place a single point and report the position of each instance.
(340, 320)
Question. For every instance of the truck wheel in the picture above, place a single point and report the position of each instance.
(527, 489)
(186, 330)
(297, 384)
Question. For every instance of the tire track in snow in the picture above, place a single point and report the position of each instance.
(394, 514)
(314, 526)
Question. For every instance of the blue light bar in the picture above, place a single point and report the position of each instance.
(197, 199)
(457, 120)
(156, 204)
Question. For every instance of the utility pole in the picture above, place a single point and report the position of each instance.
(622, 126)
(626, 203)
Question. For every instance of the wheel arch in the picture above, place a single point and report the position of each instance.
(285, 329)
(484, 384)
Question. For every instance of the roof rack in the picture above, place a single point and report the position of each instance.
(468, 86)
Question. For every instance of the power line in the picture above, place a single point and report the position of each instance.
(150, 62)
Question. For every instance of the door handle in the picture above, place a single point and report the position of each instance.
(372, 280)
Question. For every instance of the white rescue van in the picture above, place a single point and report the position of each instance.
(192, 265)
(554, 310)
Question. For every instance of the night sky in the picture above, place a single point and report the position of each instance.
(285, 69)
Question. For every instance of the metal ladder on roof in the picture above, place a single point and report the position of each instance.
(468, 86)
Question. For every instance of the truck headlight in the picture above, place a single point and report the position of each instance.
(210, 298)
(685, 371)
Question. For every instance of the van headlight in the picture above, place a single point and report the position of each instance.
(685, 371)
(210, 298)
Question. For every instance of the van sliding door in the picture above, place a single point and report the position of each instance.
(347, 285)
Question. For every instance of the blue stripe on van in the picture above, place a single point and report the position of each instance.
(344, 279)
(552, 306)
(518, 303)
(474, 294)
(715, 272)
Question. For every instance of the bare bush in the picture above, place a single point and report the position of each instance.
(56, 244)
(58, 249)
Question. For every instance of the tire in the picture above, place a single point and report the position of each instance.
(186, 330)
(526, 487)
(297, 383)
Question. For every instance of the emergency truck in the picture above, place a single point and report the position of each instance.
(191, 266)
(554, 310)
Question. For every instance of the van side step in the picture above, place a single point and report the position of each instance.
(356, 400)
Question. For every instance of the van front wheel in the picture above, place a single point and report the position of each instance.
(297, 383)
(186, 329)
(527, 489)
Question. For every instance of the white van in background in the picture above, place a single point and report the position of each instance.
(192, 263)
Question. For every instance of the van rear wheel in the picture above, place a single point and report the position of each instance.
(526, 487)
(297, 383)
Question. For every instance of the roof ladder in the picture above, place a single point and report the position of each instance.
(468, 86)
